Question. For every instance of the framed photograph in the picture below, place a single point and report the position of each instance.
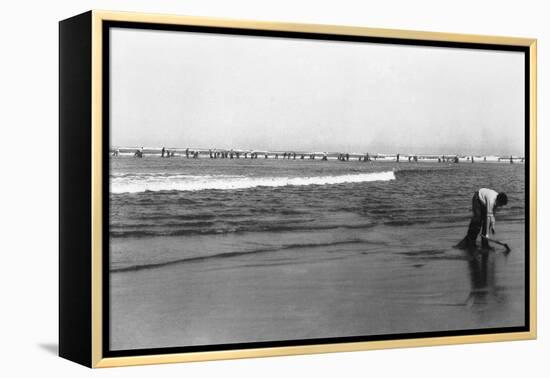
(235, 189)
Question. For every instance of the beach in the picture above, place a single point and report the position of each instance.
(315, 292)
(302, 260)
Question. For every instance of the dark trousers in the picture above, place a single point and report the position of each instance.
(478, 223)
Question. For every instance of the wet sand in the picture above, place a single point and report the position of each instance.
(402, 280)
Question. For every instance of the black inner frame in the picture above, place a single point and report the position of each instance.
(106, 25)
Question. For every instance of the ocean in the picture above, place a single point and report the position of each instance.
(220, 251)
(177, 197)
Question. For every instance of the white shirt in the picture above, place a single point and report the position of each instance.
(488, 197)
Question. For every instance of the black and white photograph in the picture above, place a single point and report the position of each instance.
(284, 189)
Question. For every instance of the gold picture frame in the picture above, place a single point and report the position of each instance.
(81, 255)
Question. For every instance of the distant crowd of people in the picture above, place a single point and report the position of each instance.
(231, 154)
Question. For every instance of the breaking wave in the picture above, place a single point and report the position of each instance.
(150, 182)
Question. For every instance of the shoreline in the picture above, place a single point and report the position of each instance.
(408, 283)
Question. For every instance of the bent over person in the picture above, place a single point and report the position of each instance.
(484, 204)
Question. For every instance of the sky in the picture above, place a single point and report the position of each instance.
(182, 89)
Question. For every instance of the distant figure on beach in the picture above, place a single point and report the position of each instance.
(162, 152)
(139, 153)
(397, 158)
(484, 204)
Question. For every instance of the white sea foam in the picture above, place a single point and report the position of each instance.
(136, 184)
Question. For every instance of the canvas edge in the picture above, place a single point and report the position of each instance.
(74, 285)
